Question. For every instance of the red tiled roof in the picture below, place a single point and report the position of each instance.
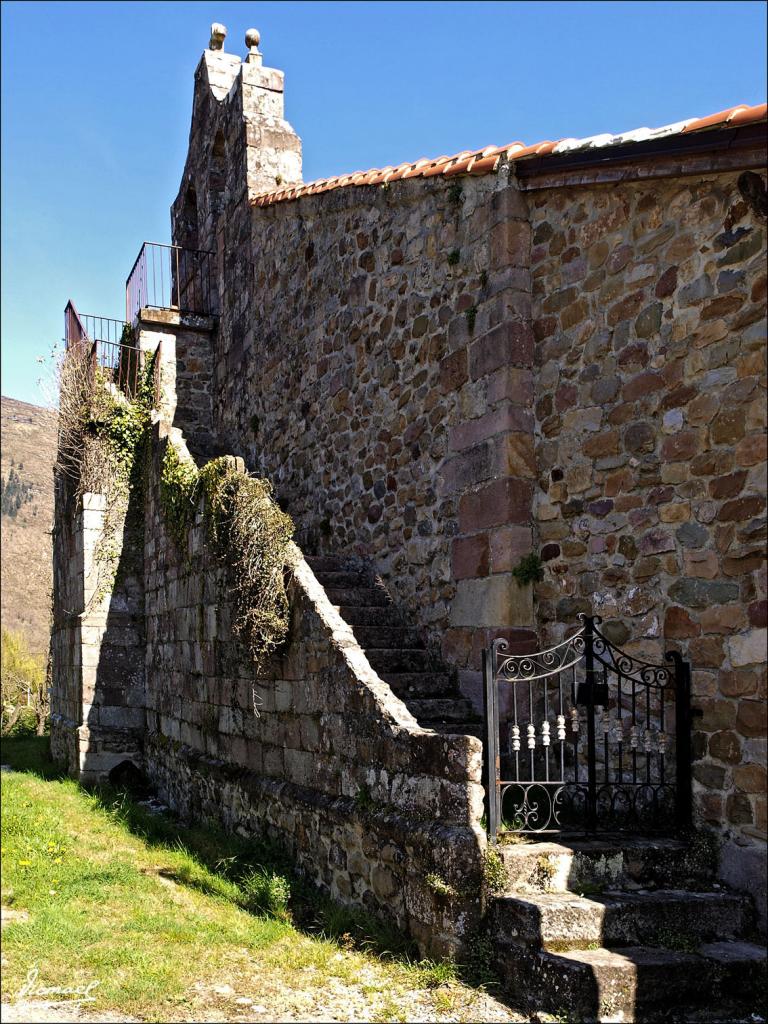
(483, 161)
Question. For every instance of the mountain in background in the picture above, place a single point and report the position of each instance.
(26, 516)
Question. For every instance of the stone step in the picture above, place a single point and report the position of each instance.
(443, 710)
(665, 917)
(370, 615)
(399, 659)
(408, 685)
(372, 637)
(455, 728)
(344, 579)
(620, 862)
(636, 983)
(371, 597)
(328, 563)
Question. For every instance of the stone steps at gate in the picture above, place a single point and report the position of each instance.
(559, 921)
(624, 862)
(636, 983)
(622, 928)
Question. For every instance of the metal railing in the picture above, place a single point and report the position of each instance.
(108, 343)
(170, 277)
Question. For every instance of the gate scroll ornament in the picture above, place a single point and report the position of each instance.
(583, 737)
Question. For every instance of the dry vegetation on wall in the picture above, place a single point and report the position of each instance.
(100, 431)
(102, 445)
(247, 531)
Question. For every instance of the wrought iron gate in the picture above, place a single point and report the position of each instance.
(583, 737)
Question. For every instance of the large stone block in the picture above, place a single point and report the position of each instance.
(494, 602)
(496, 504)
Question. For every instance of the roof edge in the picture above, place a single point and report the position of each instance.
(693, 135)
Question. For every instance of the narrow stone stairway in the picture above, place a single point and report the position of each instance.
(625, 930)
(393, 647)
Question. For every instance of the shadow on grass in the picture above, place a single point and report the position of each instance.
(31, 754)
(258, 876)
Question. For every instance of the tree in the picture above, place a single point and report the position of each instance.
(23, 683)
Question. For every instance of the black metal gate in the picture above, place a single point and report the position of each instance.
(583, 738)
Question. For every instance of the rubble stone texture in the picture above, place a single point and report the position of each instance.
(649, 317)
(444, 375)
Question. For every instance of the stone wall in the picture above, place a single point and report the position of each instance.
(649, 317)
(183, 371)
(314, 750)
(97, 646)
(68, 584)
(442, 375)
(378, 371)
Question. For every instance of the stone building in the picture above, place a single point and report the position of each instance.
(444, 368)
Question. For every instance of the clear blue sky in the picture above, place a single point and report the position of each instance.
(96, 101)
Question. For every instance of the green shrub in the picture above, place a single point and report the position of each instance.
(265, 892)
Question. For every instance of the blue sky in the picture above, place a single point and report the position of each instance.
(96, 101)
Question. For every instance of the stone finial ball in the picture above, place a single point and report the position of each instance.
(252, 38)
(218, 35)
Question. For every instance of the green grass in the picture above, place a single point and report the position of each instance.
(160, 914)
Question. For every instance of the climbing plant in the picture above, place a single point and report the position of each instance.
(247, 531)
(103, 436)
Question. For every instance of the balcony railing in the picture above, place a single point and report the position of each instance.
(169, 277)
(107, 343)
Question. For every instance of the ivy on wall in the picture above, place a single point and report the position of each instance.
(121, 427)
(102, 446)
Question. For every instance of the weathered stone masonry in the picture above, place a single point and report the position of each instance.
(442, 374)
(650, 410)
(290, 751)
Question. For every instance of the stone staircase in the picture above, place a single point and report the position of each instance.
(624, 930)
(394, 648)
(615, 929)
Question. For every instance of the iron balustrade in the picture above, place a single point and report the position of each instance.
(170, 277)
(595, 739)
(108, 343)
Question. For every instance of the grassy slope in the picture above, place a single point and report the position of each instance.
(155, 913)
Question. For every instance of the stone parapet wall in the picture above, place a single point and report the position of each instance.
(318, 750)
(649, 317)
(372, 859)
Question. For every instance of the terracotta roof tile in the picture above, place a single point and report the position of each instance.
(749, 115)
(713, 120)
(486, 160)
